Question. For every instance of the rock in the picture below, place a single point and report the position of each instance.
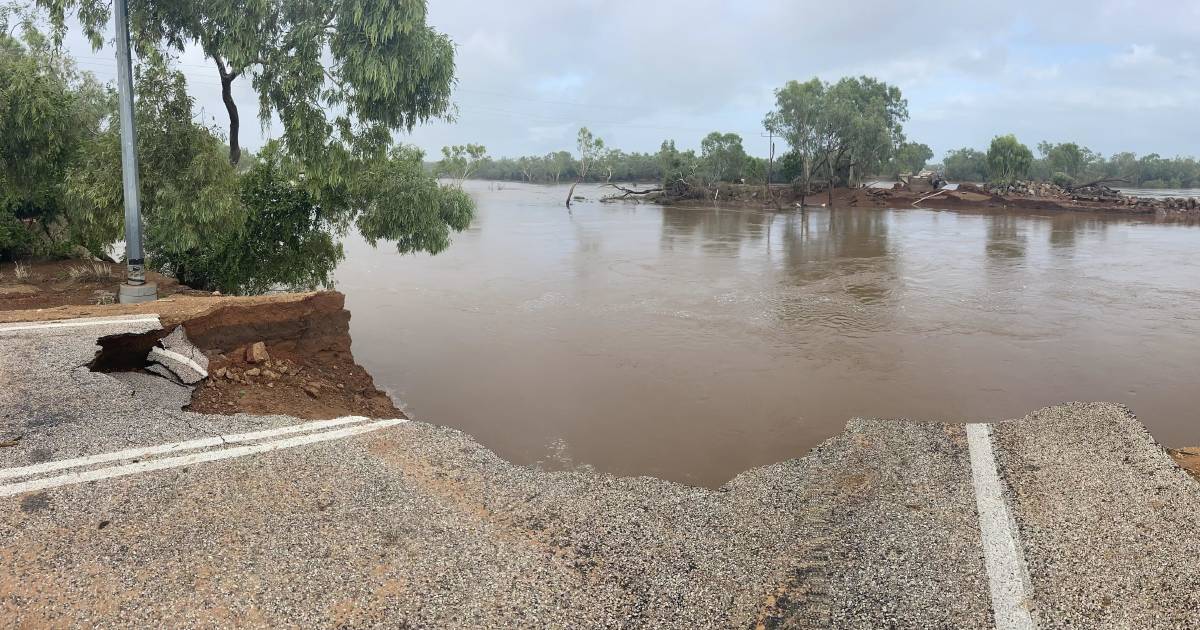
(221, 372)
(341, 386)
(269, 374)
(257, 353)
(253, 372)
(312, 389)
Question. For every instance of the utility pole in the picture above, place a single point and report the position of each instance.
(770, 136)
(135, 288)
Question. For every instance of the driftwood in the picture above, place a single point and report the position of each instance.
(571, 194)
(1104, 180)
(627, 192)
(929, 196)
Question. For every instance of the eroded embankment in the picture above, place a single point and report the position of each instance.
(966, 197)
(306, 371)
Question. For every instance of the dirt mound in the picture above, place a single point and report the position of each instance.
(308, 370)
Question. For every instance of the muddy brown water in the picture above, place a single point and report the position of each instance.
(694, 343)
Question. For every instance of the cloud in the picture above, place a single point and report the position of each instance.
(1111, 74)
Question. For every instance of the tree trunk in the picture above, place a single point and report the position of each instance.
(227, 77)
(829, 184)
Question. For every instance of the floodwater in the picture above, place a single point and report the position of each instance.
(694, 343)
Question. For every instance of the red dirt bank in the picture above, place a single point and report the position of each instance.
(306, 334)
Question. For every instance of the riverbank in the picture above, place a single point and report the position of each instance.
(1030, 197)
(307, 371)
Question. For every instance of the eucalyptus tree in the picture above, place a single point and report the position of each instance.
(911, 157)
(799, 118)
(333, 71)
(342, 77)
(722, 156)
(48, 112)
(461, 160)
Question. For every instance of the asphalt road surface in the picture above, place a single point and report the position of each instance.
(119, 509)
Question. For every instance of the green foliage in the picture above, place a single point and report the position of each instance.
(284, 240)
(340, 75)
(722, 156)
(847, 129)
(590, 148)
(1067, 157)
(400, 202)
(678, 167)
(911, 157)
(48, 111)
(1008, 160)
(1062, 179)
(461, 160)
(189, 190)
(965, 165)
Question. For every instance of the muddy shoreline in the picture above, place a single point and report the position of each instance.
(966, 198)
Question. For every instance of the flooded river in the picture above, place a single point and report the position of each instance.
(694, 343)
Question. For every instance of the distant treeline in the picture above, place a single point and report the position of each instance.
(842, 133)
(1070, 163)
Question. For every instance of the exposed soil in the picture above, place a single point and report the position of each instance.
(1188, 459)
(307, 336)
(75, 282)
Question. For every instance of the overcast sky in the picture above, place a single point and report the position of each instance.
(1113, 75)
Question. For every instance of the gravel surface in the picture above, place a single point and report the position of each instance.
(1111, 525)
(420, 526)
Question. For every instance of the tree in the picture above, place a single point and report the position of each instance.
(723, 156)
(1008, 160)
(337, 73)
(189, 191)
(862, 126)
(965, 165)
(797, 117)
(850, 127)
(590, 148)
(48, 112)
(460, 160)
(558, 163)
(912, 157)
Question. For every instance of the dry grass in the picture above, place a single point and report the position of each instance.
(94, 270)
(21, 272)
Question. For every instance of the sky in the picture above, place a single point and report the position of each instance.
(1111, 75)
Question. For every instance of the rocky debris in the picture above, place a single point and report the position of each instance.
(1096, 193)
(185, 362)
(257, 353)
(313, 389)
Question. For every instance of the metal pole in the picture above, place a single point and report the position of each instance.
(134, 257)
(135, 288)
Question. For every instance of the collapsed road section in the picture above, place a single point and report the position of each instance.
(115, 511)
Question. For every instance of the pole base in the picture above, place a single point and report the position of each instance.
(137, 293)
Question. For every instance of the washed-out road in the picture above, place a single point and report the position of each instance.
(119, 509)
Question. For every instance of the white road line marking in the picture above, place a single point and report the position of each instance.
(171, 447)
(72, 323)
(1008, 576)
(194, 458)
(171, 354)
